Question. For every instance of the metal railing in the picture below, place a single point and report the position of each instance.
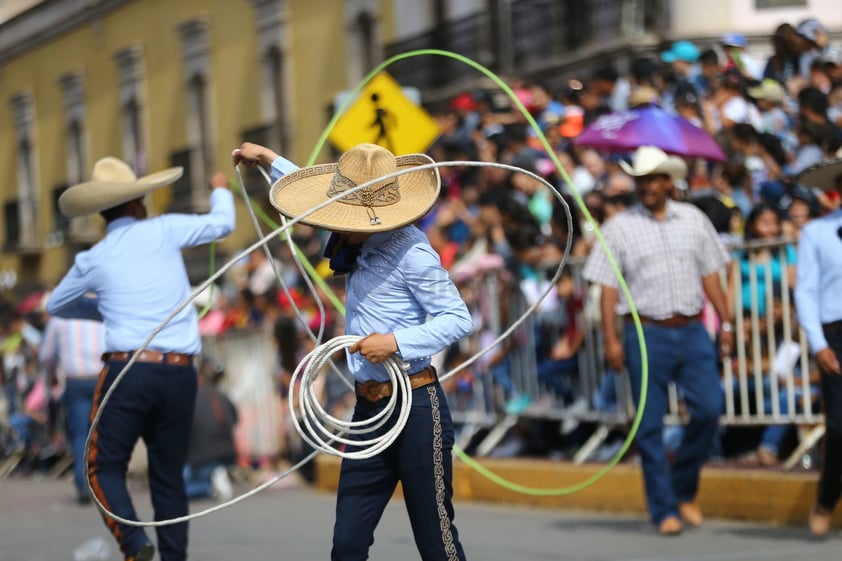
(768, 381)
(523, 36)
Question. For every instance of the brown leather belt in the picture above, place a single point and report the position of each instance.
(375, 391)
(673, 321)
(152, 357)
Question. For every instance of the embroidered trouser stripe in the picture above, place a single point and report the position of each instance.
(93, 455)
(443, 492)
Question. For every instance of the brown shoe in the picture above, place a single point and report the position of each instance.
(691, 513)
(819, 522)
(670, 526)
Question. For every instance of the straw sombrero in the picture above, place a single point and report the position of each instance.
(822, 175)
(112, 183)
(384, 206)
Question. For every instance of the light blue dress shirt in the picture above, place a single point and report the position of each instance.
(818, 286)
(138, 274)
(399, 286)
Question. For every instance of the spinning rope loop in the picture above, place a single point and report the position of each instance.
(318, 426)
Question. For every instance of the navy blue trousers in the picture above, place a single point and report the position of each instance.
(154, 402)
(421, 460)
(830, 484)
(687, 356)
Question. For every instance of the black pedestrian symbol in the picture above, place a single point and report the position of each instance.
(384, 123)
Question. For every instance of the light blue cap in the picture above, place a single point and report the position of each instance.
(681, 50)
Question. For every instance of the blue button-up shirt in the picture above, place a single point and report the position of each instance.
(139, 277)
(818, 286)
(399, 286)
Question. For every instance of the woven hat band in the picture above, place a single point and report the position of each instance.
(376, 195)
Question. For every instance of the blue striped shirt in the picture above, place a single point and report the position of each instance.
(73, 347)
(138, 274)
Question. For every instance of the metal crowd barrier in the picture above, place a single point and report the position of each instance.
(767, 383)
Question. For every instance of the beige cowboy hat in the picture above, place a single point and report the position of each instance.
(384, 206)
(112, 183)
(824, 175)
(643, 95)
(650, 160)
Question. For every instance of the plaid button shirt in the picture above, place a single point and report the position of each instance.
(662, 261)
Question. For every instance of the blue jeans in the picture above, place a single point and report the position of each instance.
(77, 399)
(556, 375)
(197, 480)
(605, 398)
(687, 356)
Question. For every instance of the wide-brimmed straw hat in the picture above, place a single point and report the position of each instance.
(112, 183)
(823, 175)
(384, 206)
(651, 160)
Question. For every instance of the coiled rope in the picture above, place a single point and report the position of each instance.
(323, 432)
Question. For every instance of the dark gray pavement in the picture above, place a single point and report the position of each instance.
(40, 522)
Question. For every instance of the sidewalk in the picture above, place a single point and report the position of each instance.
(726, 493)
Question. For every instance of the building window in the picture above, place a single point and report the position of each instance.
(75, 152)
(73, 100)
(270, 20)
(194, 42)
(27, 203)
(365, 36)
(130, 71)
(364, 49)
(72, 90)
(133, 136)
(197, 114)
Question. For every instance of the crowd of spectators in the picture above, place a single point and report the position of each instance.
(772, 118)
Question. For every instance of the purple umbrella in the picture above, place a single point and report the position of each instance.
(625, 131)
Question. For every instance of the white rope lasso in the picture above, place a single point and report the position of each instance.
(316, 409)
(323, 431)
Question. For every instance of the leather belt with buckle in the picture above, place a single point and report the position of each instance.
(373, 391)
(674, 321)
(152, 357)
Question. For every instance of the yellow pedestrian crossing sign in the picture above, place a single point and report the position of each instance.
(384, 115)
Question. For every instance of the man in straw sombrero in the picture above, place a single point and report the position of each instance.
(395, 281)
(818, 300)
(138, 275)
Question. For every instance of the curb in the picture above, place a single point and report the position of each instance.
(735, 494)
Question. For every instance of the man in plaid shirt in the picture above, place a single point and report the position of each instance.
(671, 258)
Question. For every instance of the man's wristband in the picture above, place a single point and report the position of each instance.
(726, 327)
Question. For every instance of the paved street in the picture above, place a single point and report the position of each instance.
(40, 522)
